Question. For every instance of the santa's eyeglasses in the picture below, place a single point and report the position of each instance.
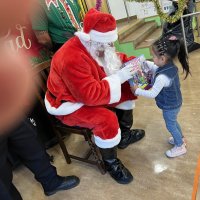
(103, 45)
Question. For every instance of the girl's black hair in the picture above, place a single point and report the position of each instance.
(172, 46)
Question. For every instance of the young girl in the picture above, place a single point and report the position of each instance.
(166, 87)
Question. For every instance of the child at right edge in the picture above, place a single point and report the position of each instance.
(166, 87)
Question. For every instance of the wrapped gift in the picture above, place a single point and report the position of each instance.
(142, 73)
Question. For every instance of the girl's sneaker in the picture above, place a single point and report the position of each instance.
(176, 151)
(171, 141)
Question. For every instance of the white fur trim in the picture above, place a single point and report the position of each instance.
(108, 143)
(83, 36)
(126, 105)
(96, 36)
(110, 36)
(115, 88)
(64, 109)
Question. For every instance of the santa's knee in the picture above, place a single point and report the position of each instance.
(107, 132)
(109, 125)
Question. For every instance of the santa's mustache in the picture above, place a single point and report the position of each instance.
(108, 57)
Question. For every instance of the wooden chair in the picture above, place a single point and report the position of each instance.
(41, 71)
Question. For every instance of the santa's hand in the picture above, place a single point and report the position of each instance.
(125, 73)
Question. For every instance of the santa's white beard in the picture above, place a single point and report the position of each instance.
(110, 61)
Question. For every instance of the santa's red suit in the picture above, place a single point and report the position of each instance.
(79, 92)
(82, 87)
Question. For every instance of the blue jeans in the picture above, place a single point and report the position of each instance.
(170, 117)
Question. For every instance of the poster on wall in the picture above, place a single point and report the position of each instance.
(141, 10)
(147, 9)
(166, 6)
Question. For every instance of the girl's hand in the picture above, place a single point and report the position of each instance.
(133, 88)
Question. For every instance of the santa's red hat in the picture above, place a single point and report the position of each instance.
(99, 27)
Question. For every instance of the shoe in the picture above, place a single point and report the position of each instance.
(176, 151)
(115, 167)
(192, 47)
(119, 172)
(131, 137)
(171, 141)
(67, 183)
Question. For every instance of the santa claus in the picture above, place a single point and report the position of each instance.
(85, 80)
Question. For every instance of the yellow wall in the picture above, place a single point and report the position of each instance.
(92, 3)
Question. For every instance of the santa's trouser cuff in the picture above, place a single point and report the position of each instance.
(108, 143)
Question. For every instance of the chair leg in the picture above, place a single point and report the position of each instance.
(100, 162)
(86, 138)
(63, 147)
(95, 153)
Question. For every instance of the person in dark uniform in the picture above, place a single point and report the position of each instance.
(176, 29)
(192, 45)
(23, 141)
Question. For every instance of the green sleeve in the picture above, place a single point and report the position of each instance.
(39, 20)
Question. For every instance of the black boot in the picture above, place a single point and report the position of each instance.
(128, 135)
(66, 183)
(114, 166)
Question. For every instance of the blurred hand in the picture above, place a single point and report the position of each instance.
(13, 12)
(16, 88)
(16, 84)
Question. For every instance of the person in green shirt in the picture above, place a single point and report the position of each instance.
(55, 22)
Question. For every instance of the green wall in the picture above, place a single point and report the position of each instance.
(155, 18)
(129, 48)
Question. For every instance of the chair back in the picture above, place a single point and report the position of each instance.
(41, 72)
